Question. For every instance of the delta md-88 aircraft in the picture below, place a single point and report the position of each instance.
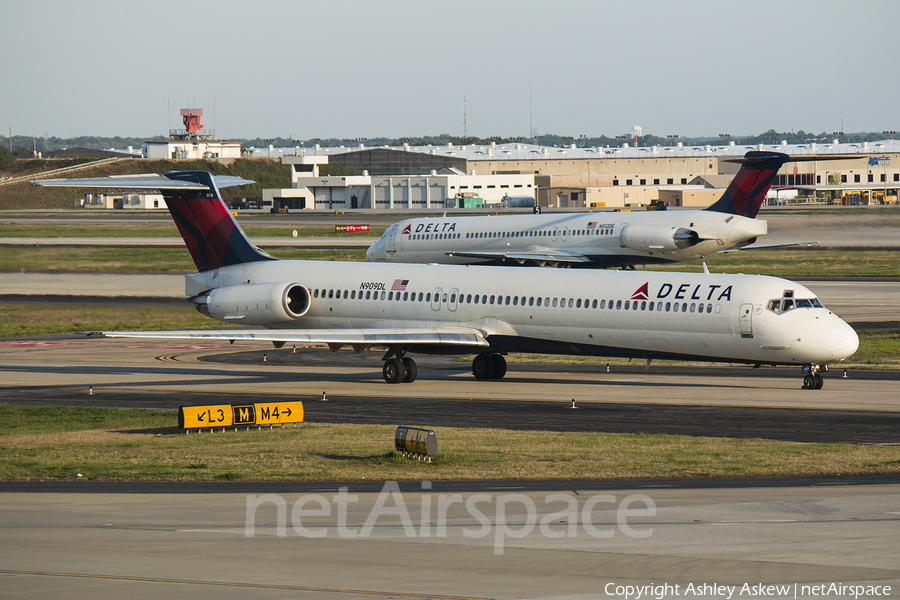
(488, 311)
(596, 239)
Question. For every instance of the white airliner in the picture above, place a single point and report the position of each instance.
(488, 311)
(596, 239)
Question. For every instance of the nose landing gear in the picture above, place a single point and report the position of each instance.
(812, 377)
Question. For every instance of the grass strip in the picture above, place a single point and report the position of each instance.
(100, 259)
(60, 443)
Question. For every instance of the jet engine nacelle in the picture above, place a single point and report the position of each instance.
(652, 238)
(256, 303)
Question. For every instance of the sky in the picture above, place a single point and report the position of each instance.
(393, 68)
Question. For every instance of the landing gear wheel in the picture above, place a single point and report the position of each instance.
(412, 370)
(483, 366)
(394, 370)
(819, 381)
(499, 366)
(809, 383)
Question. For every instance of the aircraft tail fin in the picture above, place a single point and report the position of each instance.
(211, 234)
(748, 189)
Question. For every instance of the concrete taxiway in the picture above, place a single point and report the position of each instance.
(494, 540)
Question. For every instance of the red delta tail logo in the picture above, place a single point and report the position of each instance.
(406, 230)
(642, 293)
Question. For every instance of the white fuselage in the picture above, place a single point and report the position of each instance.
(603, 238)
(607, 313)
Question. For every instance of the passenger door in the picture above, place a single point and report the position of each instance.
(746, 320)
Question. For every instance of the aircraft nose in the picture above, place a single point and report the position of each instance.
(376, 251)
(842, 341)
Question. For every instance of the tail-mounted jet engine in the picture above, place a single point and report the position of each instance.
(651, 238)
(255, 304)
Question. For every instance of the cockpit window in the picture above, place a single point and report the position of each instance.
(788, 302)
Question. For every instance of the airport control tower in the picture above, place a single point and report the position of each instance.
(193, 130)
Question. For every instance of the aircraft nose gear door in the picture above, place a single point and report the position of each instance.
(747, 320)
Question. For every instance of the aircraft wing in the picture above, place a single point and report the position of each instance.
(449, 336)
(555, 256)
(761, 246)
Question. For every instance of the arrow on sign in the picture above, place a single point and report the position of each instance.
(288, 411)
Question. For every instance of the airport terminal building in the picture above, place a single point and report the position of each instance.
(452, 176)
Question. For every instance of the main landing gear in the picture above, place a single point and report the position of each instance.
(489, 366)
(399, 369)
(812, 377)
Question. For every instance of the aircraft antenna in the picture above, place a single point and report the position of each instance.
(465, 119)
(705, 270)
(531, 112)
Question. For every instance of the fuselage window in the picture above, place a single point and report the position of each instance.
(692, 307)
(452, 298)
(507, 300)
(668, 305)
(345, 294)
(594, 304)
(469, 299)
(634, 306)
(444, 297)
(684, 307)
(555, 300)
(476, 298)
(492, 299)
(644, 305)
(562, 303)
(390, 295)
(531, 301)
(515, 300)
(618, 304)
(651, 307)
(700, 308)
(353, 295)
(428, 297)
(316, 293)
(578, 304)
(675, 308)
(382, 295)
(368, 294)
(405, 296)
(603, 304)
(484, 299)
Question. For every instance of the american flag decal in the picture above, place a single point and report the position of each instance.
(592, 225)
(399, 285)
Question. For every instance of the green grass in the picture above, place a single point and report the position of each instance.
(60, 443)
(99, 259)
(798, 262)
(17, 320)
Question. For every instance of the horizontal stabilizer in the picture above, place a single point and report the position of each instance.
(148, 181)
